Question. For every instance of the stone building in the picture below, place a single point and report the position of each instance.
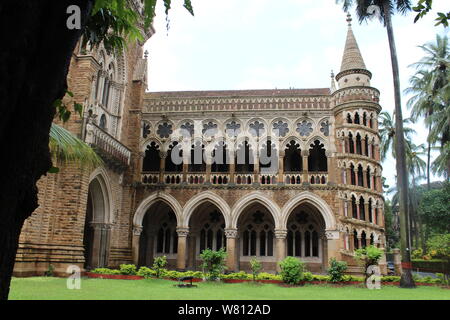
(265, 173)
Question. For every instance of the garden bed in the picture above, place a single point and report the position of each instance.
(113, 276)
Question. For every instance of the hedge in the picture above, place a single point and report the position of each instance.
(242, 275)
(434, 265)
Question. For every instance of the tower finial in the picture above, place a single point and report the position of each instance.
(349, 19)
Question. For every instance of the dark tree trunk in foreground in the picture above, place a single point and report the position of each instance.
(34, 61)
(406, 280)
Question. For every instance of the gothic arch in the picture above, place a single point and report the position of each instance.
(254, 197)
(206, 196)
(316, 201)
(103, 180)
(152, 199)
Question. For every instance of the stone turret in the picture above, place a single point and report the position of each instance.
(353, 69)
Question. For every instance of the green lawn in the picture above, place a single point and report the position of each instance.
(100, 289)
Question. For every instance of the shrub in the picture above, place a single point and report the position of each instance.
(307, 276)
(105, 271)
(146, 272)
(158, 265)
(336, 270)
(268, 276)
(292, 270)
(417, 254)
(368, 256)
(49, 272)
(242, 275)
(318, 277)
(213, 262)
(128, 269)
(256, 267)
(390, 279)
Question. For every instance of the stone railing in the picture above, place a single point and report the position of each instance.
(196, 178)
(150, 177)
(293, 178)
(269, 178)
(243, 178)
(357, 93)
(173, 177)
(220, 178)
(318, 178)
(108, 147)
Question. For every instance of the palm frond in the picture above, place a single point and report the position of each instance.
(66, 147)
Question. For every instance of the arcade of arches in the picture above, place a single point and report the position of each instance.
(252, 230)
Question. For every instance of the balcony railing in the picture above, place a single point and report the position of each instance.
(216, 178)
(109, 148)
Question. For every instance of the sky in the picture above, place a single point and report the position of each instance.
(264, 44)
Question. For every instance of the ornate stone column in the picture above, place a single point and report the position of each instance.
(162, 165)
(305, 154)
(137, 230)
(281, 167)
(366, 209)
(280, 236)
(181, 251)
(365, 184)
(232, 254)
(330, 167)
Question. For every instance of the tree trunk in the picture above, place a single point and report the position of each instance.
(34, 62)
(406, 280)
(428, 158)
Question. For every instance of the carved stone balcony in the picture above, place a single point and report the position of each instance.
(109, 148)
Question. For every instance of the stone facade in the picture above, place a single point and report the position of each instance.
(265, 173)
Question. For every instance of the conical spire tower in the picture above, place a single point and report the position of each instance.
(353, 69)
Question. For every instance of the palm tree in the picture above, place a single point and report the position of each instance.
(427, 87)
(387, 9)
(65, 147)
(387, 133)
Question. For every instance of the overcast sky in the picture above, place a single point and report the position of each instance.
(264, 44)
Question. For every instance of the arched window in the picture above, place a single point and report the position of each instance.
(362, 209)
(317, 159)
(166, 239)
(151, 159)
(197, 160)
(371, 121)
(351, 143)
(354, 208)
(174, 153)
(368, 177)
(366, 146)
(212, 236)
(358, 144)
(349, 118)
(268, 157)
(355, 240)
(352, 175)
(372, 239)
(357, 121)
(244, 158)
(360, 176)
(220, 158)
(364, 119)
(370, 211)
(292, 157)
(363, 239)
(102, 123)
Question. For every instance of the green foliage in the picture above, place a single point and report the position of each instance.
(146, 272)
(336, 270)
(158, 265)
(434, 209)
(292, 270)
(256, 267)
(417, 254)
(440, 244)
(390, 279)
(370, 255)
(105, 271)
(242, 275)
(213, 262)
(49, 272)
(113, 22)
(127, 269)
(425, 6)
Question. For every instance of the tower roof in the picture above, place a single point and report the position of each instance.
(352, 58)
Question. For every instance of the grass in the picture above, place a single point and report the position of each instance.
(41, 288)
